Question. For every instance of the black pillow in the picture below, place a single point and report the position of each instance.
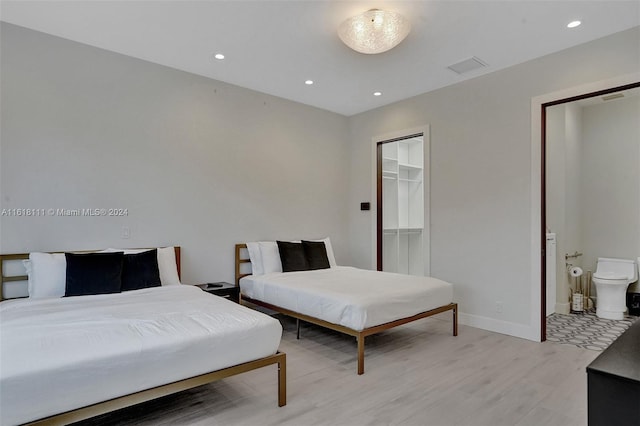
(140, 270)
(316, 254)
(93, 273)
(292, 256)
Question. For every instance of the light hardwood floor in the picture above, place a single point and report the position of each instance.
(417, 374)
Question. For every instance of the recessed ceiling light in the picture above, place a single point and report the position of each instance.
(219, 56)
(377, 93)
(573, 24)
(308, 82)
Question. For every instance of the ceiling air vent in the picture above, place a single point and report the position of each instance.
(613, 96)
(467, 65)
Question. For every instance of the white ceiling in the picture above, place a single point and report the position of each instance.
(274, 46)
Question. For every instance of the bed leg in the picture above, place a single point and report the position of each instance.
(455, 319)
(282, 381)
(297, 329)
(360, 339)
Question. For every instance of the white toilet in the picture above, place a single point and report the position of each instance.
(612, 277)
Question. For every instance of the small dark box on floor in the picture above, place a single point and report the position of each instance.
(633, 303)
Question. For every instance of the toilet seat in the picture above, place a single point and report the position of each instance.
(609, 276)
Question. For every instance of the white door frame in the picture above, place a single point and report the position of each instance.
(426, 237)
(536, 184)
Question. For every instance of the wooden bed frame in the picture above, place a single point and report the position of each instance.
(124, 401)
(359, 335)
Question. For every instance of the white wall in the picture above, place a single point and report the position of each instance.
(564, 192)
(611, 177)
(205, 165)
(481, 175)
(556, 195)
(196, 162)
(573, 181)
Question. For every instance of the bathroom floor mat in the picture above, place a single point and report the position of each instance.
(586, 330)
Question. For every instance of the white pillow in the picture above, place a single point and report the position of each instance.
(256, 258)
(270, 257)
(47, 275)
(167, 265)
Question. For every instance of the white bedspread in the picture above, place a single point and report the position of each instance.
(354, 298)
(61, 354)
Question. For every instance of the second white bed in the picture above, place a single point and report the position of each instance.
(351, 297)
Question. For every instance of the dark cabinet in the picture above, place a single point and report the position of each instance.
(614, 382)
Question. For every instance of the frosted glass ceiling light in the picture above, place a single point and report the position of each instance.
(374, 31)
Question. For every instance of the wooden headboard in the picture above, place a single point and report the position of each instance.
(23, 256)
(241, 250)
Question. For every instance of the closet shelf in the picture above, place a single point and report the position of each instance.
(402, 230)
(409, 166)
(410, 231)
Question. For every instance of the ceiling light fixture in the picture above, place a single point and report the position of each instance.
(308, 82)
(374, 31)
(377, 93)
(219, 56)
(573, 24)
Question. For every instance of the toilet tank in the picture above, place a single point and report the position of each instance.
(619, 267)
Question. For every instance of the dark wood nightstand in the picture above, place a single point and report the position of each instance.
(222, 289)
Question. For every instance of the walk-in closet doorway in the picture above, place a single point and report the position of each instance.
(402, 204)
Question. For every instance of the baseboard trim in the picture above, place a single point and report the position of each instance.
(498, 326)
(563, 308)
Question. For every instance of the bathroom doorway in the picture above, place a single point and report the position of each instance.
(590, 188)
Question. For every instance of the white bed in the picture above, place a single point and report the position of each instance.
(353, 301)
(351, 297)
(64, 354)
(60, 354)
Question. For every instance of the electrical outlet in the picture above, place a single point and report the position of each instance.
(126, 233)
(499, 307)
